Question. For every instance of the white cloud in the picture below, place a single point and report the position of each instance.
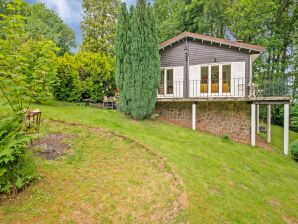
(69, 10)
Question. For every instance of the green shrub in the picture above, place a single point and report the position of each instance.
(294, 150)
(226, 137)
(17, 167)
(84, 75)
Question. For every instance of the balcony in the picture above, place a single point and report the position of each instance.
(225, 89)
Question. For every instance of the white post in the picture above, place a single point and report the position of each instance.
(194, 113)
(258, 118)
(253, 125)
(269, 123)
(286, 129)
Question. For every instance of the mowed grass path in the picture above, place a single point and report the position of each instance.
(225, 182)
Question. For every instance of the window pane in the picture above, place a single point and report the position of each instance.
(215, 79)
(226, 78)
(170, 83)
(204, 79)
(161, 89)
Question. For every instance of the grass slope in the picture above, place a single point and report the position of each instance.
(225, 182)
(104, 179)
(277, 138)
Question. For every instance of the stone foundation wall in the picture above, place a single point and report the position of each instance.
(218, 118)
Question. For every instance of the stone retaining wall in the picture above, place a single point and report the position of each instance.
(219, 118)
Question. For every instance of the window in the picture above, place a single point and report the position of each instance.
(170, 81)
(226, 78)
(204, 79)
(215, 79)
(161, 89)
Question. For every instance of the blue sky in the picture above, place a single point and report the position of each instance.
(70, 11)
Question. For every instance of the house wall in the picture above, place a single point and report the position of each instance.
(175, 56)
(202, 53)
(218, 118)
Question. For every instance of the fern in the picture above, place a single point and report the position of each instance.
(14, 155)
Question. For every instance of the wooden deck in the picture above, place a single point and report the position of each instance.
(257, 100)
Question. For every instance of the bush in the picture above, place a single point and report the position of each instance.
(278, 116)
(17, 167)
(85, 75)
(294, 150)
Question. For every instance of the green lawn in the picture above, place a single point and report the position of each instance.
(225, 182)
(277, 137)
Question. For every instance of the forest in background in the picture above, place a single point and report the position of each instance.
(270, 23)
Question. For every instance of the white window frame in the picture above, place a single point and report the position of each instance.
(165, 95)
(220, 92)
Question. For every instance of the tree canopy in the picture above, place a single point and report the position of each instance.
(42, 22)
(99, 25)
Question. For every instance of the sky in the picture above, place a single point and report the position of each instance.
(70, 11)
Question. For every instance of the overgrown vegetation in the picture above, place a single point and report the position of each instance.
(137, 56)
(17, 168)
(84, 75)
(26, 66)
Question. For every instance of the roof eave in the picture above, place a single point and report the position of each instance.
(183, 35)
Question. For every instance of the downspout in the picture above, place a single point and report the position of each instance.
(186, 50)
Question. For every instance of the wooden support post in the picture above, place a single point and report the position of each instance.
(258, 118)
(253, 124)
(286, 129)
(194, 113)
(269, 123)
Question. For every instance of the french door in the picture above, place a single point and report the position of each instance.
(166, 87)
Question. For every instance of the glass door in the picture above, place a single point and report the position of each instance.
(226, 78)
(161, 90)
(215, 79)
(204, 79)
(170, 82)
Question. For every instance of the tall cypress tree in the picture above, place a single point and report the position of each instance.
(138, 66)
(120, 46)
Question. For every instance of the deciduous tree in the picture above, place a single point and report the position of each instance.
(99, 25)
(42, 22)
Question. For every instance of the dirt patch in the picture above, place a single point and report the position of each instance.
(274, 202)
(51, 146)
(291, 220)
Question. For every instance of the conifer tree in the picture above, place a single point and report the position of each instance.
(137, 56)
